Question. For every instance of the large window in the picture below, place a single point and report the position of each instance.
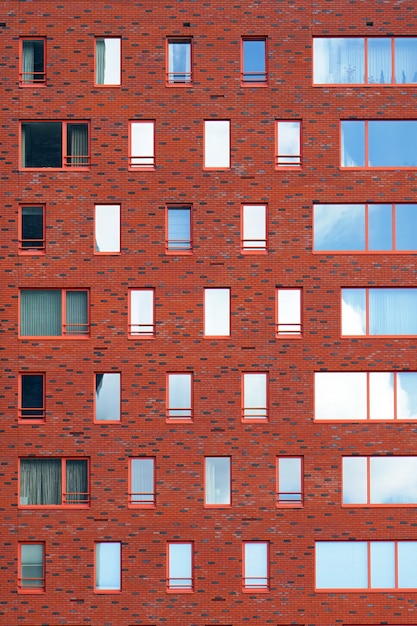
(31, 567)
(53, 482)
(351, 565)
(107, 397)
(379, 311)
(179, 61)
(54, 145)
(178, 229)
(388, 480)
(365, 227)
(288, 144)
(254, 396)
(253, 61)
(365, 60)
(142, 145)
(217, 481)
(216, 312)
(107, 228)
(255, 566)
(253, 228)
(289, 481)
(179, 396)
(379, 144)
(32, 61)
(357, 396)
(108, 566)
(217, 144)
(288, 312)
(31, 396)
(108, 61)
(54, 313)
(142, 482)
(142, 315)
(32, 229)
(180, 567)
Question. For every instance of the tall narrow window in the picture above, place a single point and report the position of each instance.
(54, 313)
(142, 482)
(179, 61)
(108, 566)
(288, 144)
(32, 61)
(253, 228)
(54, 482)
(217, 144)
(254, 61)
(180, 567)
(107, 228)
(108, 61)
(178, 229)
(288, 312)
(179, 396)
(31, 567)
(142, 145)
(217, 481)
(32, 396)
(32, 229)
(255, 566)
(54, 145)
(255, 396)
(289, 481)
(107, 397)
(142, 317)
(217, 312)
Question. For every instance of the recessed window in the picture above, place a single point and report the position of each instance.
(178, 229)
(32, 229)
(31, 568)
(54, 145)
(54, 313)
(255, 396)
(217, 481)
(180, 567)
(179, 396)
(32, 61)
(379, 311)
(217, 144)
(289, 481)
(32, 396)
(142, 145)
(142, 322)
(217, 312)
(53, 482)
(179, 61)
(288, 303)
(107, 397)
(255, 566)
(107, 228)
(253, 228)
(108, 61)
(142, 482)
(288, 144)
(108, 566)
(254, 60)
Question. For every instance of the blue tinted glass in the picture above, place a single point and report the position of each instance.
(407, 395)
(179, 235)
(339, 60)
(407, 559)
(392, 143)
(342, 565)
(254, 60)
(406, 227)
(353, 144)
(379, 60)
(382, 564)
(353, 311)
(405, 54)
(380, 226)
(339, 227)
(393, 311)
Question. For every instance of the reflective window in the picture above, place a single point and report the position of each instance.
(253, 228)
(32, 567)
(54, 313)
(32, 229)
(376, 311)
(107, 400)
(54, 145)
(142, 482)
(217, 144)
(142, 145)
(217, 312)
(288, 144)
(178, 235)
(289, 481)
(217, 481)
(108, 566)
(255, 403)
(179, 396)
(179, 61)
(142, 321)
(288, 312)
(180, 567)
(255, 566)
(32, 396)
(108, 61)
(32, 62)
(254, 60)
(53, 482)
(107, 228)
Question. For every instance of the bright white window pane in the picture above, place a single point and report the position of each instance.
(289, 480)
(339, 60)
(142, 481)
(407, 568)
(289, 143)
(108, 397)
(256, 565)
(342, 565)
(179, 395)
(381, 390)
(355, 480)
(108, 61)
(107, 228)
(142, 144)
(254, 227)
(217, 312)
(180, 565)
(108, 566)
(382, 564)
(217, 475)
(141, 312)
(339, 227)
(393, 480)
(254, 396)
(407, 395)
(353, 311)
(217, 144)
(289, 311)
(340, 396)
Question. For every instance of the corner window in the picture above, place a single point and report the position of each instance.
(289, 481)
(54, 145)
(108, 566)
(253, 61)
(142, 145)
(31, 568)
(107, 228)
(379, 311)
(255, 396)
(180, 567)
(32, 62)
(178, 229)
(217, 144)
(32, 229)
(108, 61)
(216, 312)
(142, 317)
(54, 313)
(217, 481)
(288, 144)
(31, 396)
(255, 566)
(288, 302)
(53, 482)
(179, 396)
(179, 61)
(107, 397)
(253, 228)
(142, 482)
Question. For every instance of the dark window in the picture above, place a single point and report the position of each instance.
(54, 145)
(32, 225)
(32, 70)
(32, 403)
(46, 482)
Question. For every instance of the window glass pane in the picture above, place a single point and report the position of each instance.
(353, 311)
(342, 565)
(108, 397)
(41, 144)
(179, 61)
(379, 60)
(289, 311)
(217, 144)
(108, 61)
(32, 227)
(254, 60)
(254, 396)
(40, 313)
(339, 60)
(407, 559)
(179, 395)
(76, 313)
(380, 226)
(217, 312)
(142, 481)
(33, 61)
(382, 564)
(217, 474)
(289, 480)
(288, 143)
(179, 228)
(76, 481)
(392, 143)
(31, 574)
(407, 395)
(180, 565)
(256, 565)
(254, 227)
(108, 566)
(142, 144)
(107, 228)
(40, 481)
(405, 56)
(340, 396)
(77, 145)
(355, 480)
(406, 227)
(381, 391)
(393, 480)
(141, 312)
(393, 311)
(32, 396)
(339, 227)
(353, 144)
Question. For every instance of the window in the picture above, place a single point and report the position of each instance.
(356, 396)
(379, 144)
(288, 144)
(217, 312)
(253, 228)
(254, 61)
(255, 566)
(31, 396)
(179, 61)
(217, 481)
(107, 397)
(364, 61)
(365, 227)
(54, 313)
(32, 62)
(178, 231)
(108, 61)
(289, 481)
(108, 566)
(217, 144)
(180, 567)
(179, 396)
(32, 229)
(288, 302)
(107, 228)
(142, 316)
(54, 482)
(351, 565)
(54, 145)
(375, 311)
(31, 567)
(255, 396)
(379, 480)
(142, 145)
(142, 482)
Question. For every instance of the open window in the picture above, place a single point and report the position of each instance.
(107, 397)
(142, 145)
(32, 229)
(255, 396)
(288, 144)
(288, 320)
(178, 229)
(108, 61)
(253, 228)
(216, 312)
(179, 396)
(107, 228)
(142, 482)
(53, 482)
(54, 313)
(217, 481)
(180, 566)
(289, 481)
(255, 566)
(179, 61)
(31, 396)
(217, 144)
(142, 314)
(32, 61)
(31, 568)
(108, 566)
(54, 145)
(253, 62)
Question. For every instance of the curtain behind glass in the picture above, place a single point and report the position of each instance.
(142, 481)
(100, 61)
(77, 482)
(40, 312)
(393, 311)
(40, 481)
(405, 51)
(31, 565)
(77, 144)
(76, 313)
(28, 62)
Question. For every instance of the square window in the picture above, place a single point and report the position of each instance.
(289, 481)
(216, 312)
(217, 144)
(31, 568)
(32, 229)
(255, 396)
(253, 228)
(53, 482)
(180, 567)
(107, 397)
(107, 228)
(178, 229)
(108, 566)
(31, 396)
(142, 314)
(54, 313)
(217, 481)
(32, 62)
(54, 145)
(142, 145)
(255, 566)
(179, 61)
(142, 482)
(108, 61)
(254, 61)
(179, 396)
(288, 144)
(288, 312)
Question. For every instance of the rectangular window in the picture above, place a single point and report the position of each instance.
(253, 61)
(32, 62)
(142, 314)
(253, 228)
(351, 565)
(108, 61)
(379, 311)
(179, 61)
(365, 60)
(288, 303)
(365, 228)
(178, 229)
(142, 482)
(288, 144)
(54, 145)
(180, 567)
(107, 397)
(32, 229)
(31, 567)
(217, 144)
(379, 144)
(357, 396)
(379, 480)
(108, 566)
(31, 396)
(216, 312)
(142, 145)
(54, 313)
(107, 228)
(217, 481)
(289, 481)
(179, 396)
(255, 566)
(53, 482)
(255, 396)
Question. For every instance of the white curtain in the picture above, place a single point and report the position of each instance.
(28, 62)
(405, 50)
(393, 311)
(142, 481)
(40, 481)
(379, 61)
(77, 145)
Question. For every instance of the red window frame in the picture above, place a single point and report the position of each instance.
(186, 588)
(38, 588)
(170, 76)
(33, 414)
(284, 498)
(149, 329)
(217, 505)
(107, 591)
(245, 76)
(100, 85)
(261, 245)
(223, 336)
(148, 160)
(185, 246)
(144, 503)
(216, 168)
(105, 421)
(65, 504)
(296, 330)
(255, 588)
(106, 252)
(246, 411)
(187, 414)
(39, 77)
(64, 326)
(67, 163)
(291, 161)
(38, 245)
